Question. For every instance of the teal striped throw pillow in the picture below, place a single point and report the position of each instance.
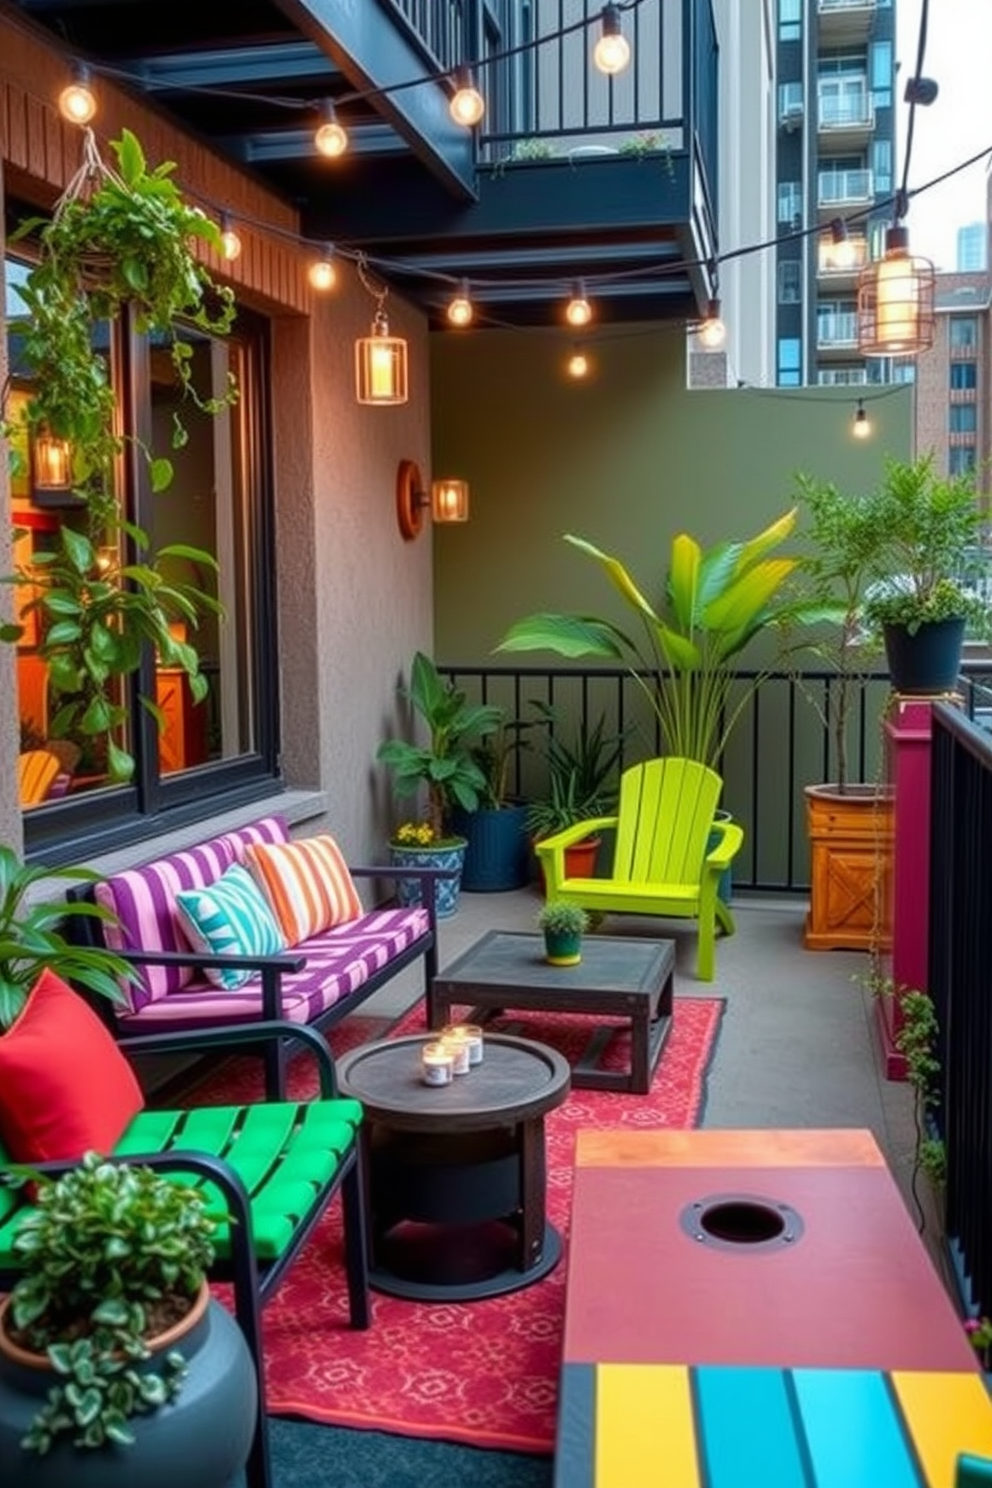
(229, 918)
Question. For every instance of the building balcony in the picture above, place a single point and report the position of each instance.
(837, 334)
(843, 22)
(838, 265)
(845, 124)
(842, 377)
(843, 190)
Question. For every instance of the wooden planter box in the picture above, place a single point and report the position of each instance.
(850, 865)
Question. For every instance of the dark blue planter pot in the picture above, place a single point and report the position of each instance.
(497, 855)
(199, 1440)
(927, 662)
(446, 890)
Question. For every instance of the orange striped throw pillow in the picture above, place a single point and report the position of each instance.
(306, 882)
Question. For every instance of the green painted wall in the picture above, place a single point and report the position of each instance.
(626, 458)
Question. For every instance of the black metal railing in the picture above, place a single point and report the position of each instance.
(778, 745)
(958, 974)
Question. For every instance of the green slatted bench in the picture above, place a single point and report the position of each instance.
(269, 1170)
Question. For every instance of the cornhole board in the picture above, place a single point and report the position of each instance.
(820, 1352)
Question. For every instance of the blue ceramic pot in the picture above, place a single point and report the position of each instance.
(446, 890)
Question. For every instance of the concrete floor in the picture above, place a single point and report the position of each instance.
(797, 1045)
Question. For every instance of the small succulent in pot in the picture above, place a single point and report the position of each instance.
(559, 917)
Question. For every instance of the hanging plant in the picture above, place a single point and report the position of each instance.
(117, 238)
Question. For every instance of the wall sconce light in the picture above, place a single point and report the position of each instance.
(447, 499)
(896, 301)
(612, 50)
(380, 359)
(51, 462)
(77, 101)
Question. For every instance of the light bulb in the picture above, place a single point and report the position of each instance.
(331, 138)
(77, 102)
(322, 273)
(461, 309)
(230, 243)
(467, 104)
(712, 332)
(862, 423)
(611, 53)
(578, 364)
(578, 311)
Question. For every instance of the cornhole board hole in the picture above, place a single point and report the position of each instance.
(755, 1308)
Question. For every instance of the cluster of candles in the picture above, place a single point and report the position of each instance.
(455, 1050)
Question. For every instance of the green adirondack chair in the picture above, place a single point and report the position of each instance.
(669, 853)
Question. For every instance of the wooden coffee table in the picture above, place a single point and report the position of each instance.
(456, 1174)
(618, 976)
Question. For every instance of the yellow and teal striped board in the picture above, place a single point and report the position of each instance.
(669, 1426)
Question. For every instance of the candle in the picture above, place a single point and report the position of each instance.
(459, 1048)
(437, 1063)
(470, 1032)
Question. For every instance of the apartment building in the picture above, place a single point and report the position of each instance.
(954, 379)
(835, 173)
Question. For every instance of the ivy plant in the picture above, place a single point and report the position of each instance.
(112, 1255)
(118, 237)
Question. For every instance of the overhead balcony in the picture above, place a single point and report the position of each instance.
(845, 122)
(843, 22)
(839, 192)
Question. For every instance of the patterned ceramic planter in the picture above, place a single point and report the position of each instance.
(446, 890)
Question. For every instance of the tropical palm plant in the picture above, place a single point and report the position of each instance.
(715, 601)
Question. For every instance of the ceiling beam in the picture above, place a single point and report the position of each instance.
(277, 62)
(374, 53)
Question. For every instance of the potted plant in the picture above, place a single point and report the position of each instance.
(849, 823)
(930, 531)
(31, 937)
(582, 782)
(117, 237)
(496, 850)
(444, 771)
(714, 601)
(563, 925)
(109, 1339)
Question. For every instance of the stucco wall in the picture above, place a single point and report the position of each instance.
(625, 459)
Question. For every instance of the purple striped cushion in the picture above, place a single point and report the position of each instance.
(143, 900)
(269, 829)
(338, 962)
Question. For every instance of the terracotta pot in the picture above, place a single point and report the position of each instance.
(580, 860)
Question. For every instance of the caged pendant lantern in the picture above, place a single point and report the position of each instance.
(896, 300)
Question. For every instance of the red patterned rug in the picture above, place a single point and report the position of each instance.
(482, 1373)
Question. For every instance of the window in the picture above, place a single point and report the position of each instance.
(961, 459)
(217, 501)
(790, 101)
(881, 165)
(880, 61)
(963, 331)
(962, 418)
(964, 375)
(789, 361)
(790, 203)
(790, 20)
(789, 282)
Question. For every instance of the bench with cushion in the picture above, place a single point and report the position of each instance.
(207, 956)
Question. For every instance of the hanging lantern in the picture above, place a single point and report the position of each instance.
(51, 462)
(896, 301)
(381, 364)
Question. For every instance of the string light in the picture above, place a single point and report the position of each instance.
(712, 332)
(862, 423)
(322, 273)
(611, 53)
(577, 365)
(578, 311)
(467, 105)
(331, 138)
(461, 309)
(842, 250)
(77, 101)
(230, 243)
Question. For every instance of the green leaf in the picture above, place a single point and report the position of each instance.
(120, 762)
(160, 473)
(78, 549)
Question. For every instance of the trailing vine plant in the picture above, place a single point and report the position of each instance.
(118, 237)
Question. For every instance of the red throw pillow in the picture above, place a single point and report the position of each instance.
(65, 1086)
